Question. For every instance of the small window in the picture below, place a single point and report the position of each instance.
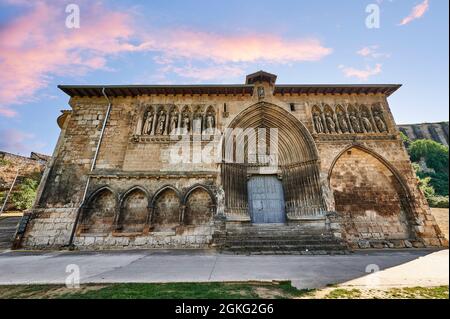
(292, 107)
(224, 107)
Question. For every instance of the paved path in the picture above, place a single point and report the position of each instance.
(420, 267)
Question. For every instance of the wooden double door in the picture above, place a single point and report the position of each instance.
(266, 200)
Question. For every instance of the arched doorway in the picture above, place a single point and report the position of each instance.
(265, 141)
(369, 197)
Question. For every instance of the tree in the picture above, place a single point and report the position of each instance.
(405, 139)
(424, 183)
(437, 158)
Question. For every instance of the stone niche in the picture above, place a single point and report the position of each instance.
(166, 215)
(98, 216)
(199, 208)
(133, 212)
(369, 198)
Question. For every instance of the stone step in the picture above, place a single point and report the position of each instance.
(287, 252)
(250, 242)
(8, 226)
(320, 249)
(8, 222)
(275, 228)
(279, 234)
(276, 238)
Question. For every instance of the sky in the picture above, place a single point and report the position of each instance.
(215, 42)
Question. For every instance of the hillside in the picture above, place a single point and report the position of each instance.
(437, 132)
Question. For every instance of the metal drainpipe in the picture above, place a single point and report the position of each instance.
(94, 160)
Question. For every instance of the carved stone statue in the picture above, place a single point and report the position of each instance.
(148, 123)
(379, 121)
(161, 123)
(331, 125)
(342, 121)
(186, 124)
(210, 123)
(261, 92)
(318, 124)
(354, 122)
(173, 123)
(367, 126)
(197, 124)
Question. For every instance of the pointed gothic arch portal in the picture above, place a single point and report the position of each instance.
(250, 148)
(369, 196)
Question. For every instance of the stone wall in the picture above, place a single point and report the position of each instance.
(367, 195)
(138, 198)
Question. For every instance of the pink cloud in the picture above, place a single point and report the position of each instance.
(417, 12)
(207, 73)
(227, 53)
(372, 52)
(36, 46)
(231, 48)
(363, 74)
(7, 112)
(15, 141)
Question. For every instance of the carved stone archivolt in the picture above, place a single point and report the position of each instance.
(351, 119)
(296, 161)
(167, 120)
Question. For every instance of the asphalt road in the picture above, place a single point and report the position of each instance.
(398, 267)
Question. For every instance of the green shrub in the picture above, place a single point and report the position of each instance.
(24, 197)
(424, 183)
(4, 162)
(405, 139)
(438, 201)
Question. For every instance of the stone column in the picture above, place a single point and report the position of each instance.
(179, 123)
(155, 117)
(182, 212)
(167, 124)
(148, 222)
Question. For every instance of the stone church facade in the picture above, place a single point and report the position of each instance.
(193, 166)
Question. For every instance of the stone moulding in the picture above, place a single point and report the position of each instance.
(351, 137)
(137, 139)
(154, 175)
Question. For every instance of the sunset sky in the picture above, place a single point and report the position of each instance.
(200, 41)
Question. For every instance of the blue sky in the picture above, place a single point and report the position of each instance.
(183, 42)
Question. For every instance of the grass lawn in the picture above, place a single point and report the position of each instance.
(248, 290)
(215, 290)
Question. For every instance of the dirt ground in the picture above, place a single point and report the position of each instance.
(441, 216)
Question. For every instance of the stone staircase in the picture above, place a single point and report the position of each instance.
(277, 239)
(8, 226)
